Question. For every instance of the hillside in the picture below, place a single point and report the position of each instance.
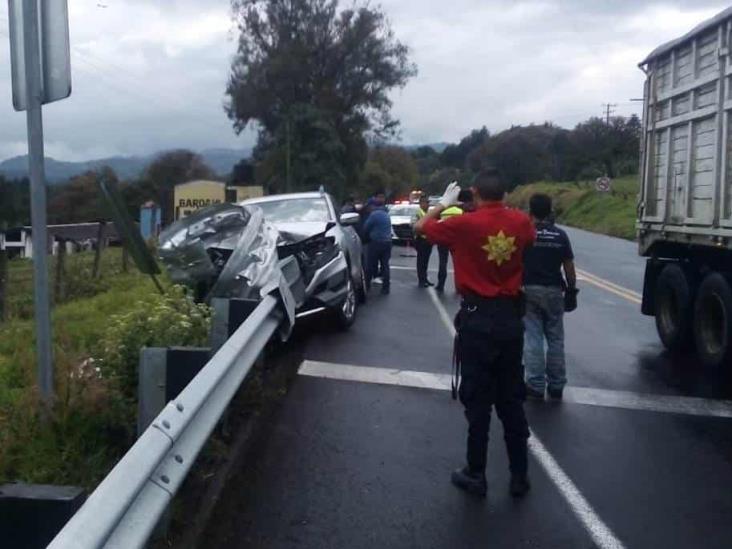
(221, 161)
(580, 205)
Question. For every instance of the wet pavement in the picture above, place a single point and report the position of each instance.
(354, 463)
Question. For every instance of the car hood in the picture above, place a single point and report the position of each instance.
(296, 231)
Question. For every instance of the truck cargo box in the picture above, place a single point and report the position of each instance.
(686, 167)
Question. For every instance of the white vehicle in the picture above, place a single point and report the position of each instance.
(685, 210)
(402, 217)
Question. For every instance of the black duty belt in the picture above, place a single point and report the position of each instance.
(472, 303)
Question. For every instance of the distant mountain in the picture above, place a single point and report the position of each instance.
(221, 161)
(438, 147)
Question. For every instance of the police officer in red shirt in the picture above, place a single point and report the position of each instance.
(487, 247)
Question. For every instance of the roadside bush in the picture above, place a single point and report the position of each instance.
(170, 320)
(580, 205)
(96, 349)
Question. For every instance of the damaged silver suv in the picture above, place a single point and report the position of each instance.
(340, 284)
(235, 251)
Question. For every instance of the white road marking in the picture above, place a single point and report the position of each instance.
(379, 376)
(600, 533)
(603, 398)
(669, 404)
(407, 268)
(593, 523)
(444, 316)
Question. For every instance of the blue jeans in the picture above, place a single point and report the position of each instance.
(544, 320)
(378, 255)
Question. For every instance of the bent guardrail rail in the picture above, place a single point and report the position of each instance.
(125, 508)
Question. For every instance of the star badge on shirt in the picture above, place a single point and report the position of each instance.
(500, 248)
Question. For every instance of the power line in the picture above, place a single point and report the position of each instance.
(609, 109)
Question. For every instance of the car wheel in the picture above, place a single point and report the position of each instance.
(674, 305)
(362, 288)
(345, 313)
(713, 321)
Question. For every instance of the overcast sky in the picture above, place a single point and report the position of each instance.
(150, 74)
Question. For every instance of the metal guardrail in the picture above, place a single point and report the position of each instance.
(124, 509)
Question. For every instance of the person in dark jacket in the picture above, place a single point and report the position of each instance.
(545, 289)
(377, 232)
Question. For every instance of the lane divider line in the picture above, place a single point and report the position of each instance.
(600, 533)
(582, 275)
(414, 269)
(602, 398)
(608, 286)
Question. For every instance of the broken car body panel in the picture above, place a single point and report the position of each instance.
(231, 251)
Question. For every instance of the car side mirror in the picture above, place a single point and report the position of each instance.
(350, 219)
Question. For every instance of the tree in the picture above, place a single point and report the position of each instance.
(607, 149)
(14, 202)
(391, 169)
(243, 172)
(78, 200)
(428, 162)
(455, 156)
(315, 79)
(165, 172)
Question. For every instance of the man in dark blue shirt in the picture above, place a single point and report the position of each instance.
(544, 286)
(377, 231)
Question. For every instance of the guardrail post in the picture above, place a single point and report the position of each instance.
(228, 315)
(163, 374)
(31, 515)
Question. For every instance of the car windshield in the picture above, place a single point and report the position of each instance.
(295, 210)
(407, 211)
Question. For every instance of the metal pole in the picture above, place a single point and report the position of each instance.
(34, 89)
(288, 159)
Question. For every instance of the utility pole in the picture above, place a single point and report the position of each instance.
(34, 116)
(609, 109)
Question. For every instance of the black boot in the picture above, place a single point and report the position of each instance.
(519, 486)
(555, 394)
(473, 483)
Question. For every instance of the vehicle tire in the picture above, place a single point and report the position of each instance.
(361, 288)
(713, 321)
(345, 314)
(674, 308)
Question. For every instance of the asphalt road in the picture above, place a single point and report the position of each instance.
(638, 455)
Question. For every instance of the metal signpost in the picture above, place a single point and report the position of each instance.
(41, 70)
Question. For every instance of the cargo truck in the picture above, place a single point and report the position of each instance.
(685, 207)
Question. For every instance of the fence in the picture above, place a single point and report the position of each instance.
(71, 276)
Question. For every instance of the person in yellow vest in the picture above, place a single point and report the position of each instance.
(465, 205)
(443, 251)
(423, 246)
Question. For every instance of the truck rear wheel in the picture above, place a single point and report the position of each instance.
(674, 307)
(713, 321)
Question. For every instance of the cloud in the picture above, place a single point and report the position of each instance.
(499, 63)
(150, 74)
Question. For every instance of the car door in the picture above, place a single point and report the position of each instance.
(348, 240)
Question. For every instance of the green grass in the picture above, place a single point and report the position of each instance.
(77, 280)
(91, 423)
(580, 205)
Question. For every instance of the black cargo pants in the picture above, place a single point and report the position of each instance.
(424, 251)
(489, 347)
